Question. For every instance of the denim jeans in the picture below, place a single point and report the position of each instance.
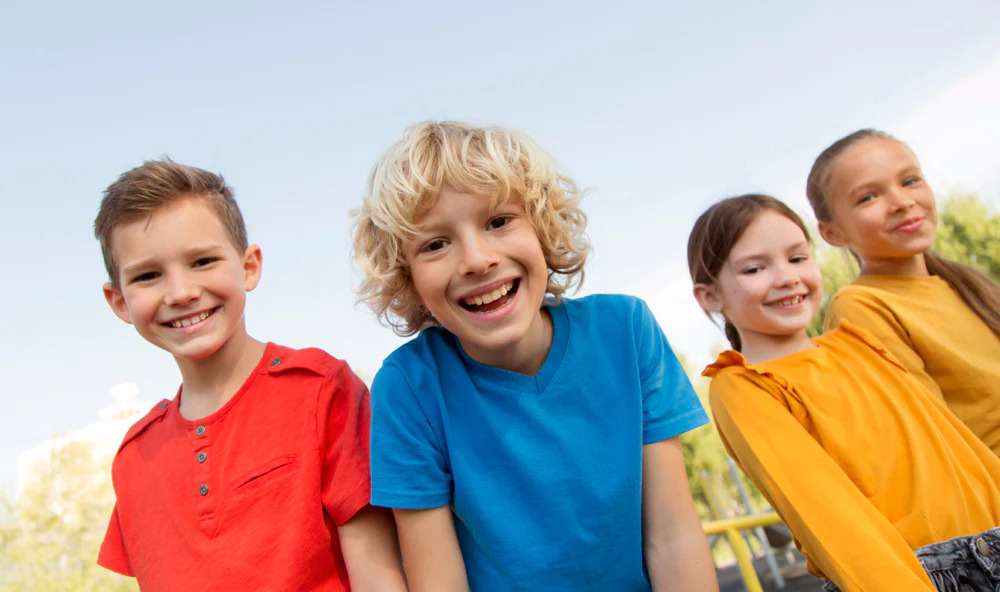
(963, 564)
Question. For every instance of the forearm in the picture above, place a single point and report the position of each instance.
(371, 552)
(680, 562)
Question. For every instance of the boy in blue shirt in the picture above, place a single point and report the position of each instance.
(525, 441)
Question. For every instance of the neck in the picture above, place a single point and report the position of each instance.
(912, 266)
(759, 348)
(210, 382)
(527, 355)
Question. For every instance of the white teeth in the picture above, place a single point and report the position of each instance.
(191, 320)
(490, 297)
(790, 301)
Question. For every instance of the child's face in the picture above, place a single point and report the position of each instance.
(481, 274)
(770, 285)
(183, 283)
(880, 204)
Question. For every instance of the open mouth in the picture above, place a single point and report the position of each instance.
(491, 300)
(792, 301)
(191, 320)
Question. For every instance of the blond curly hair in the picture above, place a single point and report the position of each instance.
(407, 181)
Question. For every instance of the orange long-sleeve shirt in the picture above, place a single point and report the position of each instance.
(927, 327)
(863, 463)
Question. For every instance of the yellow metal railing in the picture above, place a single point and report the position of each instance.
(731, 527)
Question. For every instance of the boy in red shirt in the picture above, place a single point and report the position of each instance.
(255, 476)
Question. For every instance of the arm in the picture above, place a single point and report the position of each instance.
(675, 547)
(850, 541)
(371, 552)
(874, 316)
(431, 554)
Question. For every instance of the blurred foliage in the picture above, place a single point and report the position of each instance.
(969, 232)
(51, 535)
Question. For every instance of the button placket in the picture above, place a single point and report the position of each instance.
(202, 471)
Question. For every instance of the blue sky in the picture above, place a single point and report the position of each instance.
(659, 109)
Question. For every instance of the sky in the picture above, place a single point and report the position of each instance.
(659, 109)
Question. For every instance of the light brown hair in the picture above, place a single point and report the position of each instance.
(978, 291)
(717, 231)
(140, 192)
(502, 165)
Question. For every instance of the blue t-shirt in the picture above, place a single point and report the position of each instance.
(543, 473)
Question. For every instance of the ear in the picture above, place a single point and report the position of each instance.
(116, 300)
(252, 266)
(832, 234)
(707, 297)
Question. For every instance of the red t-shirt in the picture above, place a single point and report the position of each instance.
(249, 497)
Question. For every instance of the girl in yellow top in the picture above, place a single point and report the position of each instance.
(882, 486)
(939, 318)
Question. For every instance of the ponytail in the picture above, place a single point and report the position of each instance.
(979, 292)
(733, 335)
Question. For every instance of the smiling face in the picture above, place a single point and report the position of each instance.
(769, 287)
(881, 207)
(483, 276)
(183, 283)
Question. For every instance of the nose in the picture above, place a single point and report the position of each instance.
(478, 256)
(181, 289)
(901, 199)
(787, 276)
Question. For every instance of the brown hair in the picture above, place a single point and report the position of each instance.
(718, 230)
(140, 192)
(497, 163)
(978, 291)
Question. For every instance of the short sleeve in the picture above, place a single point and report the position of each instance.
(113, 554)
(344, 420)
(669, 404)
(871, 314)
(409, 465)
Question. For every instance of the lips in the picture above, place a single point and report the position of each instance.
(190, 320)
(490, 298)
(910, 225)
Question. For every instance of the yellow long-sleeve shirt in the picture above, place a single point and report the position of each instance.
(863, 463)
(927, 327)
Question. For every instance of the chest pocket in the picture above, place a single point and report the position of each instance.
(264, 474)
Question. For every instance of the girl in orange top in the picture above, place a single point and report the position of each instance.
(881, 485)
(939, 318)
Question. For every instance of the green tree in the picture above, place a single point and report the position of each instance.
(969, 232)
(50, 536)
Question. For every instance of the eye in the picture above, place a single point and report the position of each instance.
(434, 245)
(911, 181)
(144, 277)
(751, 270)
(203, 261)
(798, 258)
(499, 221)
(865, 198)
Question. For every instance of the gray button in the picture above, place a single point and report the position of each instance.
(203, 489)
(202, 456)
(275, 361)
(162, 406)
(983, 546)
(199, 430)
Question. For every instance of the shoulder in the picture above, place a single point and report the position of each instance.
(608, 311)
(848, 340)
(139, 428)
(310, 361)
(419, 360)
